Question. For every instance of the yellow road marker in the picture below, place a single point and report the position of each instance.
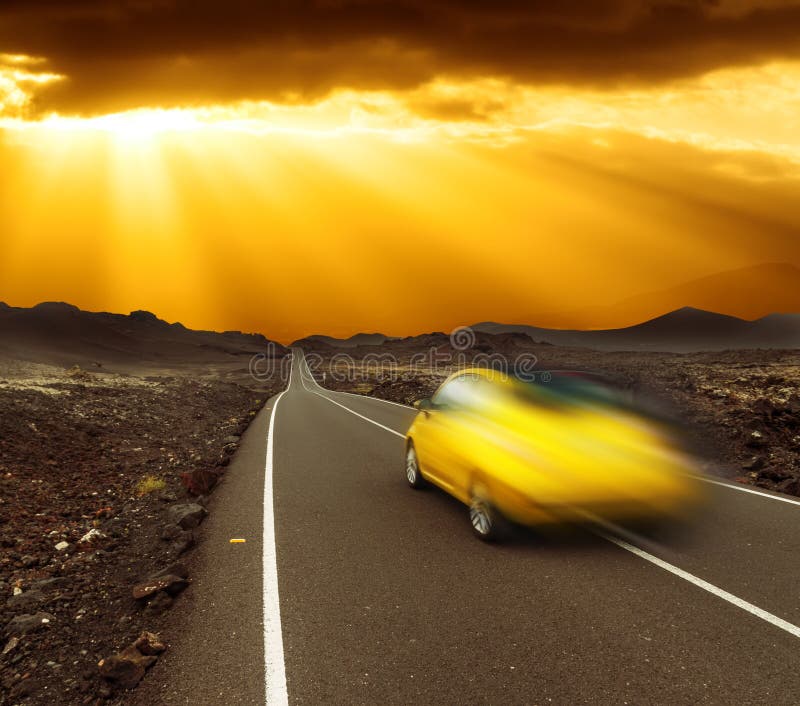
(238, 541)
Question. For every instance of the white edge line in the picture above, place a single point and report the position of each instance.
(366, 419)
(274, 666)
(352, 394)
(370, 397)
(705, 585)
(732, 486)
(671, 568)
(744, 489)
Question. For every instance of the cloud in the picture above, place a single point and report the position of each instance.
(19, 82)
(134, 53)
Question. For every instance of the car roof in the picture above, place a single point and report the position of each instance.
(501, 377)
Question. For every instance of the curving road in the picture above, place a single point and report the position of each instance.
(354, 589)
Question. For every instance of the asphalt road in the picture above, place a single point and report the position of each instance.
(384, 597)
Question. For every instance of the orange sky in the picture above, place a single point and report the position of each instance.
(433, 187)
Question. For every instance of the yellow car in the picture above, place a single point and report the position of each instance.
(556, 448)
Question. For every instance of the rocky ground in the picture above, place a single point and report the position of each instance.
(741, 409)
(102, 478)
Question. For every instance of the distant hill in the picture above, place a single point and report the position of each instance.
(359, 339)
(750, 292)
(747, 292)
(61, 334)
(682, 331)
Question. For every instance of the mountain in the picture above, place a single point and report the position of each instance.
(61, 334)
(358, 339)
(747, 292)
(681, 331)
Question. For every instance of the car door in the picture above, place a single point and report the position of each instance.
(447, 430)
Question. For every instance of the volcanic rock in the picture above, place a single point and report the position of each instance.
(754, 464)
(199, 481)
(170, 583)
(24, 624)
(187, 515)
(127, 668)
(26, 601)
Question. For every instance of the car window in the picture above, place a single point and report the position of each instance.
(572, 389)
(462, 392)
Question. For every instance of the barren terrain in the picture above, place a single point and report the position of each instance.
(92, 506)
(105, 465)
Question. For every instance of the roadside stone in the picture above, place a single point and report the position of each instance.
(754, 464)
(126, 668)
(159, 603)
(47, 584)
(61, 546)
(92, 535)
(182, 543)
(27, 600)
(25, 624)
(170, 583)
(199, 481)
(791, 486)
(171, 532)
(776, 475)
(187, 515)
(149, 643)
(756, 439)
(10, 645)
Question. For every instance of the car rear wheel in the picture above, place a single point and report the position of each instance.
(487, 523)
(413, 474)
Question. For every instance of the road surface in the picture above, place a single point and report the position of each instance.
(353, 589)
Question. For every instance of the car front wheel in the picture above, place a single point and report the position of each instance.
(413, 474)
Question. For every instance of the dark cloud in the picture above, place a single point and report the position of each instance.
(144, 52)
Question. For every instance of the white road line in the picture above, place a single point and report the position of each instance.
(732, 486)
(367, 419)
(274, 666)
(311, 378)
(685, 575)
(744, 489)
(705, 585)
(369, 397)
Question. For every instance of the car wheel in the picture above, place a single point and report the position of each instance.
(487, 523)
(413, 474)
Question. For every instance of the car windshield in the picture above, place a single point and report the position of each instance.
(467, 391)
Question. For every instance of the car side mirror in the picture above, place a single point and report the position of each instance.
(424, 405)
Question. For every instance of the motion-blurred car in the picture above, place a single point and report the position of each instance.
(547, 450)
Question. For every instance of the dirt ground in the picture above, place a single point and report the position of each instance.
(96, 470)
(90, 499)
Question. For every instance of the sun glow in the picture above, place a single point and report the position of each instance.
(475, 185)
(714, 112)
